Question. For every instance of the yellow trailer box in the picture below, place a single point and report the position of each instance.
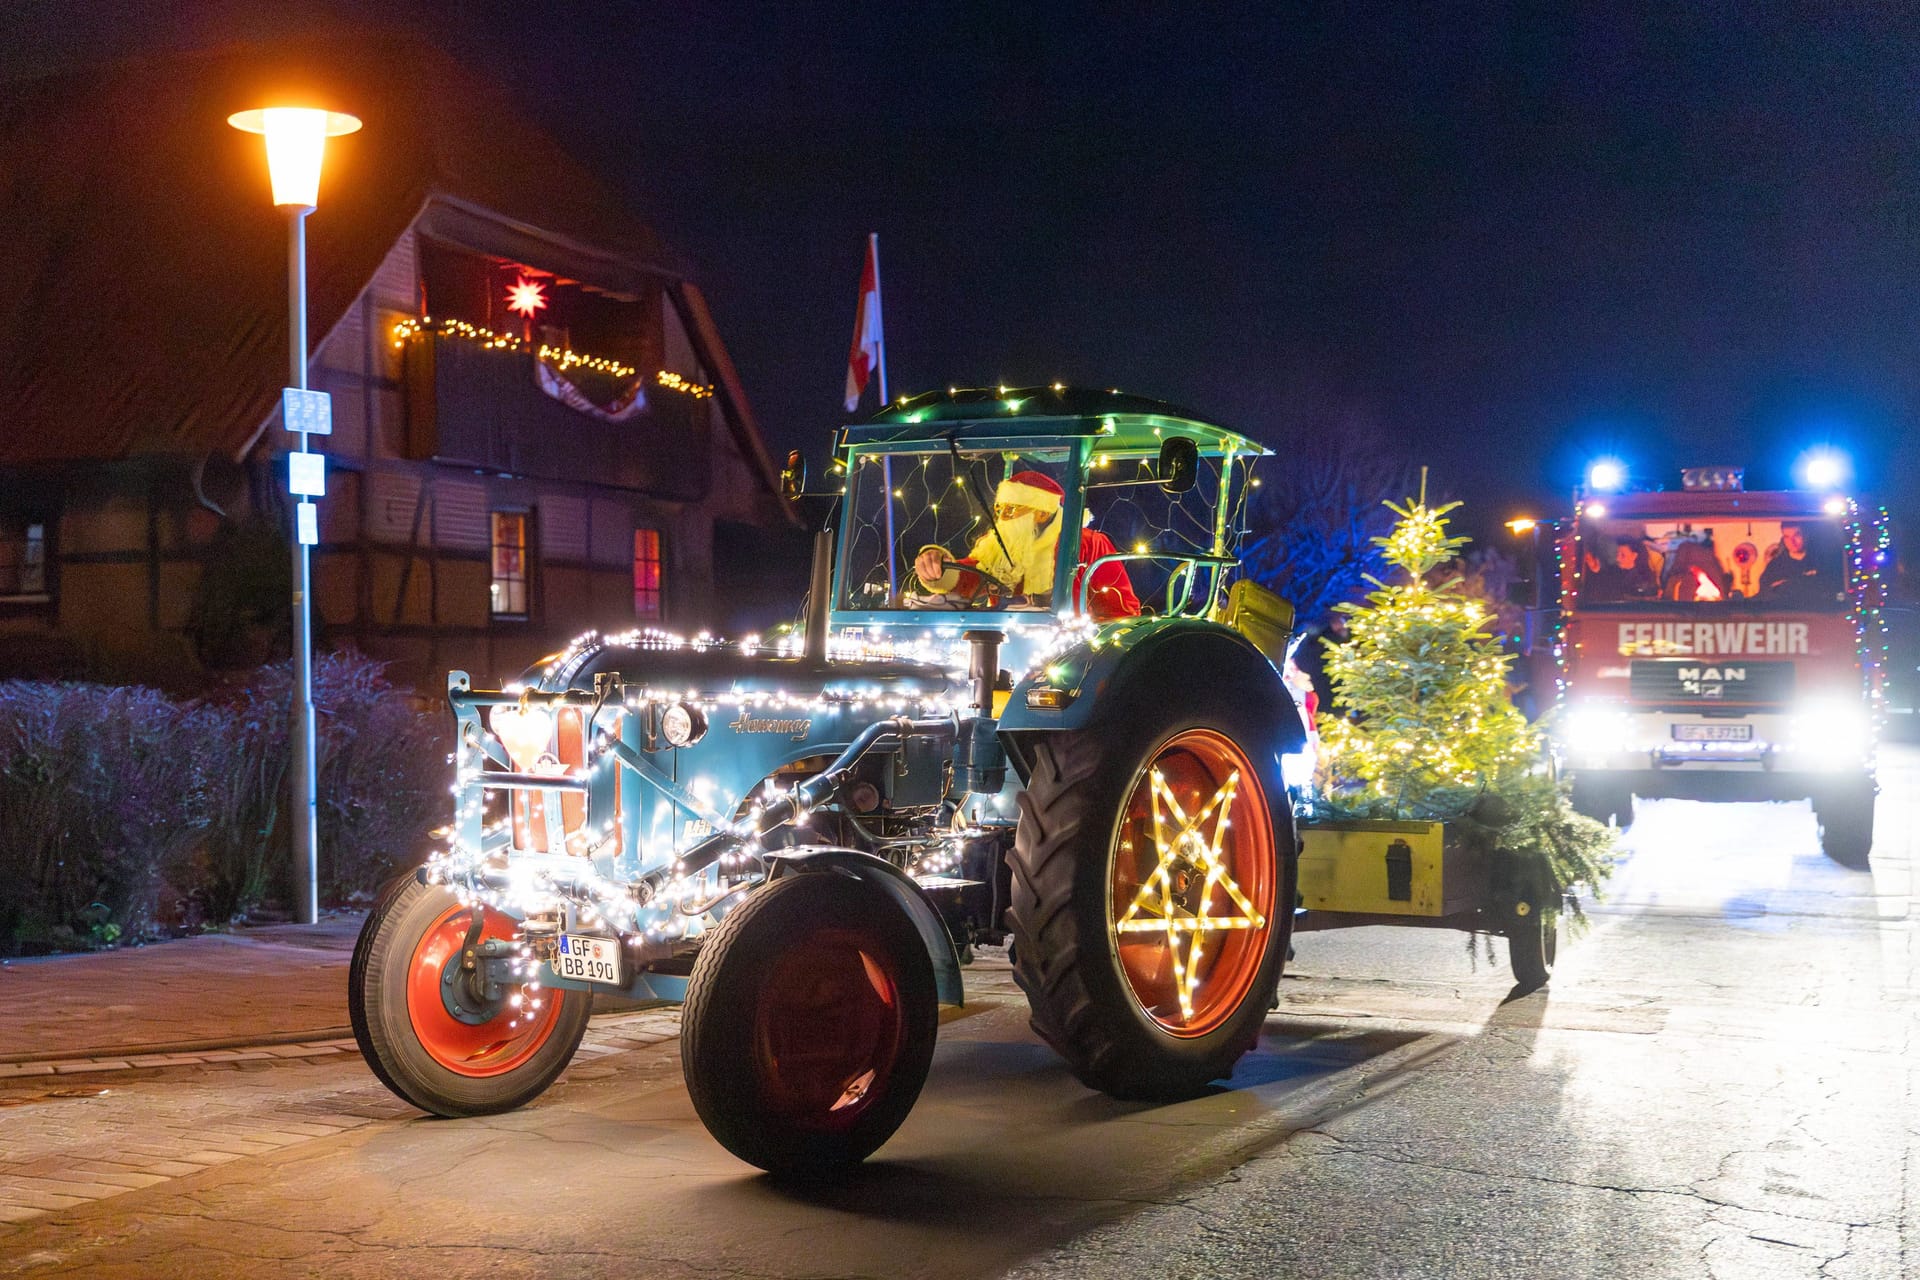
(1387, 868)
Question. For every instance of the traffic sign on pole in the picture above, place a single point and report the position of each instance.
(307, 474)
(310, 413)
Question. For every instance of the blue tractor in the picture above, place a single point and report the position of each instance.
(1027, 704)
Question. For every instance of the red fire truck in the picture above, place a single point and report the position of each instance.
(1719, 644)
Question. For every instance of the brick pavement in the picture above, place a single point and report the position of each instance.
(71, 1137)
(278, 984)
(131, 1068)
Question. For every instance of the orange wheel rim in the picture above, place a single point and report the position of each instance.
(489, 1048)
(829, 1029)
(1191, 899)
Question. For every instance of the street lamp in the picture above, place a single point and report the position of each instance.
(296, 143)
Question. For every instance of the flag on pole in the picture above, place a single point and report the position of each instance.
(868, 353)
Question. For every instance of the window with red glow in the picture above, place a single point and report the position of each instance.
(646, 573)
(509, 598)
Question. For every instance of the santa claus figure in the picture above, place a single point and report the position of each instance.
(1019, 552)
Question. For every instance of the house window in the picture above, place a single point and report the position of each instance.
(646, 573)
(509, 564)
(23, 560)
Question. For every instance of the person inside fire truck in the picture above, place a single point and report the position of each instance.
(1693, 570)
(1629, 577)
(1792, 575)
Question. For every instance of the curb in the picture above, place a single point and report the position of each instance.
(180, 1046)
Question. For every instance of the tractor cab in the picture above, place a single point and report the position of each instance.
(1050, 504)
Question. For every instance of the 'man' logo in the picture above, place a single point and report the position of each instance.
(1710, 682)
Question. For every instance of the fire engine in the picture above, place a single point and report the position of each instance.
(1721, 644)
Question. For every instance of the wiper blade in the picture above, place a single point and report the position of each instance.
(979, 498)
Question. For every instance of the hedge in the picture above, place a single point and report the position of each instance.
(127, 814)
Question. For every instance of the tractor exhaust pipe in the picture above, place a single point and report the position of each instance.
(983, 668)
(819, 598)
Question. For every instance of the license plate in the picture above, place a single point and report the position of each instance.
(1713, 733)
(587, 959)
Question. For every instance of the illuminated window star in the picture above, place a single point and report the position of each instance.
(526, 297)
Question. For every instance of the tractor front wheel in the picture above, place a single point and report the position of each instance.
(1153, 891)
(809, 1024)
(426, 1021)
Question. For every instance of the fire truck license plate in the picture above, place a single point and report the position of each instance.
(585, 959)
(1713, 733)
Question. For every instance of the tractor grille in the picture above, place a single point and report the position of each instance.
(1712, 681)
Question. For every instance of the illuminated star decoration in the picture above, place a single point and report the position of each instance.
(526, 297)
(1156, 907)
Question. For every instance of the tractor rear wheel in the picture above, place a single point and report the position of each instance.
(809, 1024)
(1153, 891)
(428, 1026)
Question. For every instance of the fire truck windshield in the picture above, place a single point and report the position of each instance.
(1716, 563)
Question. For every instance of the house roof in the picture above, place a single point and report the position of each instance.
(147, 306)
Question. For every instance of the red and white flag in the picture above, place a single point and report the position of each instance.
(868, 354)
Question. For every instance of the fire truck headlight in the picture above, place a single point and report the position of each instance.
(1831, 733)
(1595, 731)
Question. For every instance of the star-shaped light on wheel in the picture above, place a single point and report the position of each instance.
(526, 297)
(1181, 842)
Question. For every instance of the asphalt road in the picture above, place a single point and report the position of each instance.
(1719, 1082)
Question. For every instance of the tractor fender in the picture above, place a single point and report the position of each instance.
(901, 888)
(1159, 654)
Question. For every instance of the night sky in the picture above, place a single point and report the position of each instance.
(1502, 238)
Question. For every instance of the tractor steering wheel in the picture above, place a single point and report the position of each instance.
(982, 599)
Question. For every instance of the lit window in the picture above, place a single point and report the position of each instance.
(509, 564)
(23, 560)
(646, 573)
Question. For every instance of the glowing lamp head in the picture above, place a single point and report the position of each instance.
(526, 734)
(1606, 475)
(1522, 524)
(1824, 469)
(296, 143)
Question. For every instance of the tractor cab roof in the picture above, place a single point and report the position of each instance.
(995, 416)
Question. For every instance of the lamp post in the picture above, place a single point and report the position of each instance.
(296, 143)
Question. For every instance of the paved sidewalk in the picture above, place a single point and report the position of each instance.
(272, 985)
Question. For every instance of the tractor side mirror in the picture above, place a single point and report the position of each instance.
(1179, 467)
(793, 477)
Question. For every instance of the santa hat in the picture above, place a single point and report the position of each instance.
(1031, 489)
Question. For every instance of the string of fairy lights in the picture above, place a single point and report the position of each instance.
(565, 359)
(1869, 553)
(572, 879)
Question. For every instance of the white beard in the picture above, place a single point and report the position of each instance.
(1030, 569)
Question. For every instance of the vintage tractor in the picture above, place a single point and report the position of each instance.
(804, 837)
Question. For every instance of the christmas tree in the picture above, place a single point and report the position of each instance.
(1425, 683)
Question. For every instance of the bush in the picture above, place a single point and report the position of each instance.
(382, 773)
(122, 810)
(98, 804)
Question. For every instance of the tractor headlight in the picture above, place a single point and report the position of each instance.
(683, 725)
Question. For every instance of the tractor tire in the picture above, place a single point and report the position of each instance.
(1533, 943)
(809, 1025)
(1137, 1008)
(427, 1034)
(1845, 816)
